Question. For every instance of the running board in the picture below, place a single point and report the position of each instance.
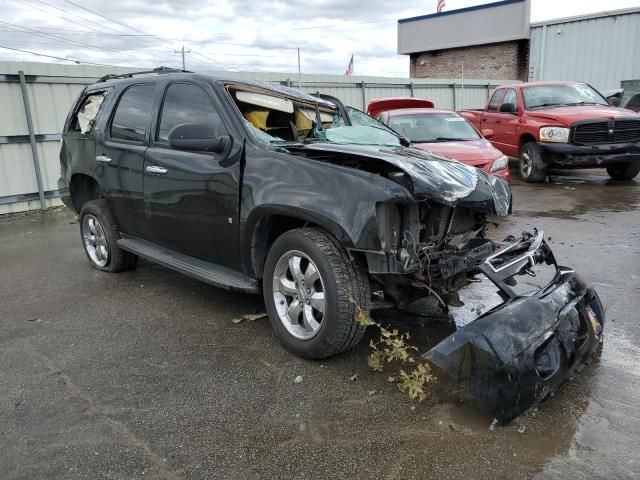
(194, 267)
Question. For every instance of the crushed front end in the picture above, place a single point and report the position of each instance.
(514, 355)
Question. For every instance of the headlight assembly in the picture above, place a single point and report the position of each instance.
(554, 134)
(499, 163)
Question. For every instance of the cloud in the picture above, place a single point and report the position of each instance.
(234, 34)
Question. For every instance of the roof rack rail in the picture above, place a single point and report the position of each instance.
(157, 70)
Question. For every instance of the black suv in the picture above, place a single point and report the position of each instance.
(262, 188)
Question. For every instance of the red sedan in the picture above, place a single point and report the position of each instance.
(443, 132)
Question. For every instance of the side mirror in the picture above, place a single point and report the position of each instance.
(614, 101)
(487, 133)
(197, 137)
(507, 108)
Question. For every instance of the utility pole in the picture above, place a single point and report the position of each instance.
(182, 51)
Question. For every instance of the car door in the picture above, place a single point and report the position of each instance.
(191, 198)
(506, 134)
(119, 155)
(490, 118)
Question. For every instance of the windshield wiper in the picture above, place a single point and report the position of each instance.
(543, 105)
(448, 139)
(580, 103)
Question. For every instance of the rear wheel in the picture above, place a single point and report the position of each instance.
(623, 171)
(99, 236)
(311, 288)
(533, 169)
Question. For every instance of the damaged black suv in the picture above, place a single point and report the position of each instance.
(258, 187)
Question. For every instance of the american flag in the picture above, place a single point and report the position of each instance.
(349, 70)
(441, 5)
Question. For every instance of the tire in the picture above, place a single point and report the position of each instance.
(312, 333)
(533, 168)
(99, 233)
(623, 171)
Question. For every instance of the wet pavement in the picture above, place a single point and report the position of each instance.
(143, 374)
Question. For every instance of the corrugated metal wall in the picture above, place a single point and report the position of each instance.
(601, 51)
(52, 88)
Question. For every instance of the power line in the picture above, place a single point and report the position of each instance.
(50, 56)
(66, 40)
(77, 16)
(105, 17)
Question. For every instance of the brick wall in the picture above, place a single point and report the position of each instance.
(507, 60)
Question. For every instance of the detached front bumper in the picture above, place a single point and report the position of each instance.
(585, 156)
(513, 356)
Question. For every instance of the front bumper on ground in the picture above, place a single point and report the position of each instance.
(581, 156)
(513, 356)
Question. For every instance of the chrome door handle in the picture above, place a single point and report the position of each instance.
(156, 169)
(103, 158)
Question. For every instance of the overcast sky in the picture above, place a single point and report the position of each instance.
(233, 34)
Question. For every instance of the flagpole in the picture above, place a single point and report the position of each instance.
(299, 73)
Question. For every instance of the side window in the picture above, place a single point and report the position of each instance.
(511, 97)
(495, 100)
(132, 119)
(84, 120)
(187, 103)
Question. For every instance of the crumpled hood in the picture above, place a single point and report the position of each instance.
(435, 177)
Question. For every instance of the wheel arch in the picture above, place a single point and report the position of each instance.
(82, 189)
(267, 223)
(524, 139)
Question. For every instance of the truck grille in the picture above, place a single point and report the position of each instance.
(600, 132)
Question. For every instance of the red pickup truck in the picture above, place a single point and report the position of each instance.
(561, 124)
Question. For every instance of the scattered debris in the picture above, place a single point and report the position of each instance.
(492, 427)
(354, 377)
(521, 428)
(252, 317)
(372, 392)
(298, 379)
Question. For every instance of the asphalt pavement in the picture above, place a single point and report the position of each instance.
(144, 374)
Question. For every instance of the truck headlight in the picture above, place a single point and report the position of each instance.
(554, 134)
(499, 163)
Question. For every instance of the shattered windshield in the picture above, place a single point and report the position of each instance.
(433, 127)
(276, 121)
(359, 135)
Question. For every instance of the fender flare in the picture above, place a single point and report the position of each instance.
(255, 231)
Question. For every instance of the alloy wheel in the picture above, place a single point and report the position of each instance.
(299, 294)
(525, 164)
(95, 240)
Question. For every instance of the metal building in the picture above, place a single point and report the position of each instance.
(602, 49)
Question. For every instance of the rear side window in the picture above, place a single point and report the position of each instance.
(187, 103)
(84, 120)
(132, 119)
(511, 97)
(495, 100)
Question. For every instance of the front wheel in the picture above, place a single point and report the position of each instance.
(623, 171)
(533, 169)
(312, 290)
